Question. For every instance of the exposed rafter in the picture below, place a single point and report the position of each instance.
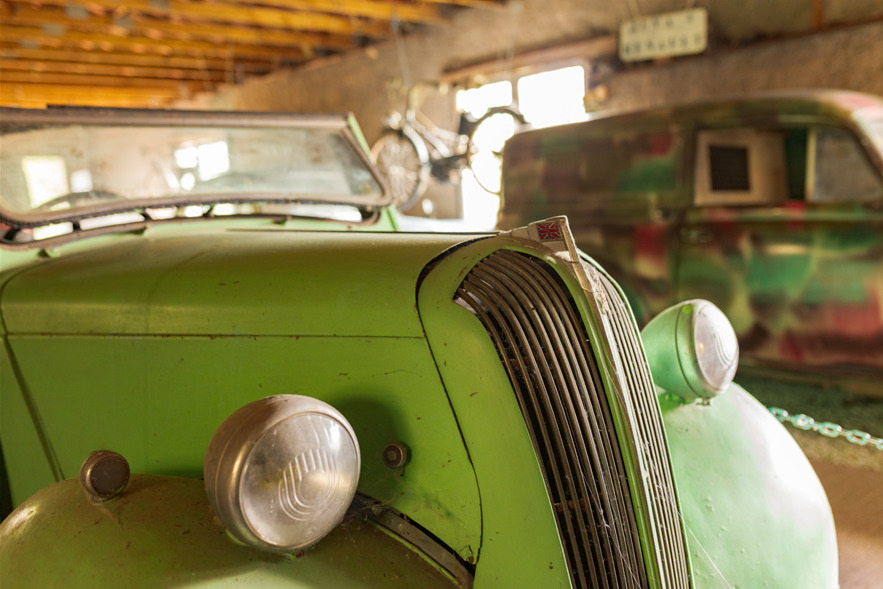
(154, 52)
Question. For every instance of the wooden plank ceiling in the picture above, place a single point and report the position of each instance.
(151, 53)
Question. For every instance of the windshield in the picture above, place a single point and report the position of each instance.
(72, 164)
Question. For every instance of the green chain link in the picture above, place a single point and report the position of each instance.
(826, 428)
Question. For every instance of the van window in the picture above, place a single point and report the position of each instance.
(838, 170)
(743, 166)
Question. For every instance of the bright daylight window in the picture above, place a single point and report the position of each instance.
(46, 177)
(209, 160)
(81, 181)
(479, 206)
(549, 98)
(555, 97)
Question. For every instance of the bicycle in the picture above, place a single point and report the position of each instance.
(412, 149)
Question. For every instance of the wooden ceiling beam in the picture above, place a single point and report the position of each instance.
(99, 82)
(37, 37)
(123, 74)
(238, 13)
(40, 95)
(472, 3)
(418, 12)
(78, 57)
(56, 18)
(143, 53)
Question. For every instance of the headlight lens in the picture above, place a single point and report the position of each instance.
(716, 346)
(281, 472)
(692, 350)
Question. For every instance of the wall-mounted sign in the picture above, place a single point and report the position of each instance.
(664, 35)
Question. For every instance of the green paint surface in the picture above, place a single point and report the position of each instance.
(755, 512)
(161, 533)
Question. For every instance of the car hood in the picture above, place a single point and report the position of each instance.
(227, 283)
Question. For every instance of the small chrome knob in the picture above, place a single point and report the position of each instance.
(395, 455)
(104, 474)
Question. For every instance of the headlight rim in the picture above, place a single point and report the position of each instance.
(232, 447)
(670, 340)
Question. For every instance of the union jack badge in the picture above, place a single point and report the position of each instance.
(548, 231)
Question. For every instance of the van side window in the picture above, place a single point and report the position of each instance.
(838, 170)
(728, 166)
(744, 166)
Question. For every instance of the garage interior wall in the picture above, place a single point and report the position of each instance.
(805, 44)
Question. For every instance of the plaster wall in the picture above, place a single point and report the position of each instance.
(849, 57)
(754, 45)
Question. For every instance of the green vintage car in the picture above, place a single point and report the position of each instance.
(769, 206)
(221, 366)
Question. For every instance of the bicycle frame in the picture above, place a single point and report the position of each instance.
(421, 150)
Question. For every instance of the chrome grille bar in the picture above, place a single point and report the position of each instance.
(649, 432)
(543, 344)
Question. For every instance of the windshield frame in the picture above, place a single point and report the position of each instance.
(341, 123)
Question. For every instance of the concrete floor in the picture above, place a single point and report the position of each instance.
(856, 497)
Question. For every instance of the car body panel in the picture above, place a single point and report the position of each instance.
(800, 278)
(367, 364)
(803, 287)
(731, 434)
(494, 386)
(735, 523)
(211, 282)
(121, 541)
(708, 442)
(517, 519)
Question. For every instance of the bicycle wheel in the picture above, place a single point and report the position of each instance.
(402, 158)
(484, 154)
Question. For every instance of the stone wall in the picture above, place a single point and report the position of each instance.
(755, 45)
(846, 57)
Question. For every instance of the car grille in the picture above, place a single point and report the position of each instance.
(542, 341)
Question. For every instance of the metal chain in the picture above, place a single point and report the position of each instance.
(826, 428)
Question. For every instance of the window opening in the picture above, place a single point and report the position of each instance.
(479, 207)
(729, 167)
(46, 178)
(741, 166)
(548, 98)
(840, 171)
(553, 97)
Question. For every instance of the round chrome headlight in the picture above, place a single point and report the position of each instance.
(281, 472)
(692, 350)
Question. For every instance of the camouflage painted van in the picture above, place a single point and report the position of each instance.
(771, 207)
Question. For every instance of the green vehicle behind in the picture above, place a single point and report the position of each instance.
(771, 207)
(222, 366)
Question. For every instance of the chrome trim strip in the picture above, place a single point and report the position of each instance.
(650, 438)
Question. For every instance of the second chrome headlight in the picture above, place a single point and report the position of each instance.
(692, 350)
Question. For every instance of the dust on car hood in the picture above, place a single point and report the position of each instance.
(228, 283)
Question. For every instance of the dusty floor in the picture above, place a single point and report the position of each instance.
(851, 475)
(856, 497)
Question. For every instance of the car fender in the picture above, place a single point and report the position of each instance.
(755, 512)
(161, 533)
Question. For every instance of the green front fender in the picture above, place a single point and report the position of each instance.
(161, 533)
(755, 512)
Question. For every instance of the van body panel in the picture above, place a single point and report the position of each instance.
(769, 206)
